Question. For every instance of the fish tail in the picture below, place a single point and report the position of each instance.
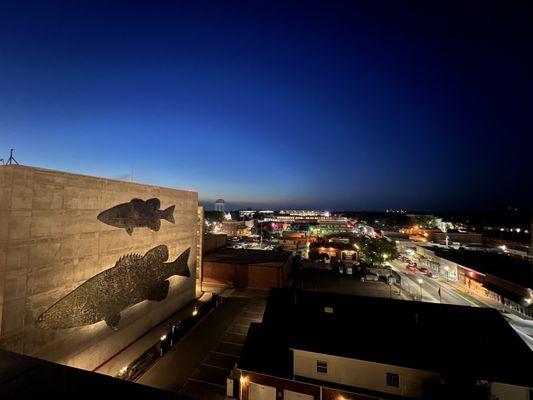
(168, 214)
(180, 265)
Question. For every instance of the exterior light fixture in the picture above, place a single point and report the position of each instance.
(163, 337)
(195, 311)
(123, 370)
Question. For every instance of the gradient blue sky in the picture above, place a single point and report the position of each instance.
(337, 105)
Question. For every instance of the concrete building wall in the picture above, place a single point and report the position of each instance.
(213, 242)
(361, 374)
(219, 273)
(51, 242)
(257, 276)
(260, 277)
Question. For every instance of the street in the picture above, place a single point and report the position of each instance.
(429, 288)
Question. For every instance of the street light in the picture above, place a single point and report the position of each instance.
(420, 284)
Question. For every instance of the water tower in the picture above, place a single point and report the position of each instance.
(220, 205)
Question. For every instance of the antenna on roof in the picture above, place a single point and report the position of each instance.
(11, 160)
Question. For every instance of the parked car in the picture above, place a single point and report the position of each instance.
(424, 270)
(432, 275)
(411, 267)
(371, 277)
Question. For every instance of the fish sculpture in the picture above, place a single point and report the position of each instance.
(134, 278)
(136, 214)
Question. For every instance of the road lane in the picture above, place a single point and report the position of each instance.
(430, 286)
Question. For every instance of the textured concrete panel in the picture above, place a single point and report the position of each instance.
(52, 243)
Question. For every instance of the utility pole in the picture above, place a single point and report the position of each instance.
(261, 232)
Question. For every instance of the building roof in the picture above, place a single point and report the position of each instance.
(455, 341)
(504, 266)
(23, 377)
(248, 256)
(334, 245)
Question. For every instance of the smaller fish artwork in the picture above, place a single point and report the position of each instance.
(137, 214)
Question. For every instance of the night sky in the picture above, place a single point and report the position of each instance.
(356, 105)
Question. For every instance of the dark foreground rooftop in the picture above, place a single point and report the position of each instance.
(458, 342)
(247, 256)
(23, 377)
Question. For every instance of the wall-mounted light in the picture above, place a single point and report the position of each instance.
(163, 337)
(195, 311)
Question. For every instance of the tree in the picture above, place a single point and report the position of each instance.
(376, 251)
(214, 216)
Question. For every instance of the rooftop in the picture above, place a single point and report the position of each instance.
(453, 340)
(504, 266)
(23, 377)
(247, 256)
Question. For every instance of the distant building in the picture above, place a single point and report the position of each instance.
(498, 276)
(313, 345)
(293, 241)
(247, 213)
(245, 268)
(220, 205)
(435, 235)
(455, 237)
(335, 250)
(233, 228)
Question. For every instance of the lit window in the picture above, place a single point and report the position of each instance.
(322, 367)
(393, 379)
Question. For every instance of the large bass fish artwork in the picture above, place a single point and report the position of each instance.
(134, 278)
(137, 214)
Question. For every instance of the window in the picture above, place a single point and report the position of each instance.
(392, 379)
(322, 367)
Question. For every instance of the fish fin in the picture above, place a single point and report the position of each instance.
(154, 203)
(112, 321)
(160, 292)
(181, 264)
(129, 229)
(127, 260)
(158, 254)
(155, 225)
(168, 214)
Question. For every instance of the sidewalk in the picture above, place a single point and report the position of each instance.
(135, 349)
(485, 301)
